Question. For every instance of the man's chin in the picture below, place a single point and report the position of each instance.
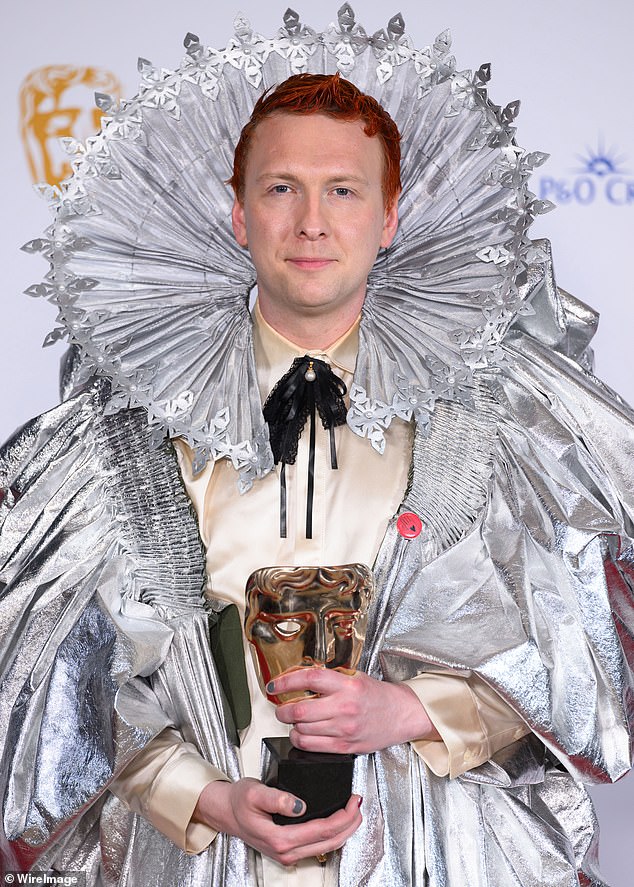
(311, 300)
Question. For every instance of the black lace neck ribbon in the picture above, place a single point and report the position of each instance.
(309, 386)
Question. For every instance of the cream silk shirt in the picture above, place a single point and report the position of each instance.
(352, 506)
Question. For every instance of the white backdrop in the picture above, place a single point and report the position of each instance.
(570, 64)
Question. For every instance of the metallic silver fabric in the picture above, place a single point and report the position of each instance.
(522, 472)
(524, 574)
(153, 289)
(105, 642)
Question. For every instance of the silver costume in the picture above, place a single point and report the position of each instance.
(522, 473)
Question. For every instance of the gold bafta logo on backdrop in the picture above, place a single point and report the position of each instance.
(57, 101)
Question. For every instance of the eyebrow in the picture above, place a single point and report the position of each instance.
(334, 180)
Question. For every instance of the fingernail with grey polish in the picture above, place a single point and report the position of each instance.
(270, 687)
(298, 806)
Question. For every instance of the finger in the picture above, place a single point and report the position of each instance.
(317, 728)
(272, 800)
(315, 678)
(330, 744)
(307, 711)
(316, 830)
(324, 835)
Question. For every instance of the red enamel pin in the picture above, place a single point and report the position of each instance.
(409, 525)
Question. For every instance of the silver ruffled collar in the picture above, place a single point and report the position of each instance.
(152, 287)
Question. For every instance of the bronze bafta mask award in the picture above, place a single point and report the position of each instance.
(298, 617)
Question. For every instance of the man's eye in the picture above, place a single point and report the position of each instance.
(342, 192)
(281, 189)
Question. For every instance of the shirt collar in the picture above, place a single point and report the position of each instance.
(274, 353)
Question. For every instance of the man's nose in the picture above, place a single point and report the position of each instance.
(312, 219)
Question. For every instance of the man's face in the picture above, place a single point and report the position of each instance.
(313, 214)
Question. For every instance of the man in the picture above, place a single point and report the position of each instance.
(316, 198)
(314, 205)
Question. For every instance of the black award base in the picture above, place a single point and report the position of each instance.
(322, 781)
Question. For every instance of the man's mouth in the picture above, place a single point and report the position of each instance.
(306, 263)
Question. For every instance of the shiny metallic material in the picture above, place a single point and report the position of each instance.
(298, 617)
(141, 239)
(522, 474)
(515, 578)
(104, 642)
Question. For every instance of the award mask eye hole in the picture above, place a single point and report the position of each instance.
(289, 628)
(344, 628)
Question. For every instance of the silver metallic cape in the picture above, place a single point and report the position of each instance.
(524, 575)
(523, 477)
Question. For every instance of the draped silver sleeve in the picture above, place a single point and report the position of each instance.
(522, 575)
(104, 641)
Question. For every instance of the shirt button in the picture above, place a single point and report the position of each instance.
(409, 525)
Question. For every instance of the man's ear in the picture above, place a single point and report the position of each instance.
(390, 224)
(238, 222)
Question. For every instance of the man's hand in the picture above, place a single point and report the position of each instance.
(352, 714)
(244, 808)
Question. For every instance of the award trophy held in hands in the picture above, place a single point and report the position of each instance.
(300, 617)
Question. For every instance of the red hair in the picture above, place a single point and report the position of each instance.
(325, 94)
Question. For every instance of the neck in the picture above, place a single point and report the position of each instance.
(310, 331)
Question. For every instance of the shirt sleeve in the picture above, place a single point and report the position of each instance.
(163, 784)
(473, 721)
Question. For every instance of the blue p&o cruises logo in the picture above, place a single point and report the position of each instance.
(601, 177)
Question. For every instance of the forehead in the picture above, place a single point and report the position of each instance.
(313, 144)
